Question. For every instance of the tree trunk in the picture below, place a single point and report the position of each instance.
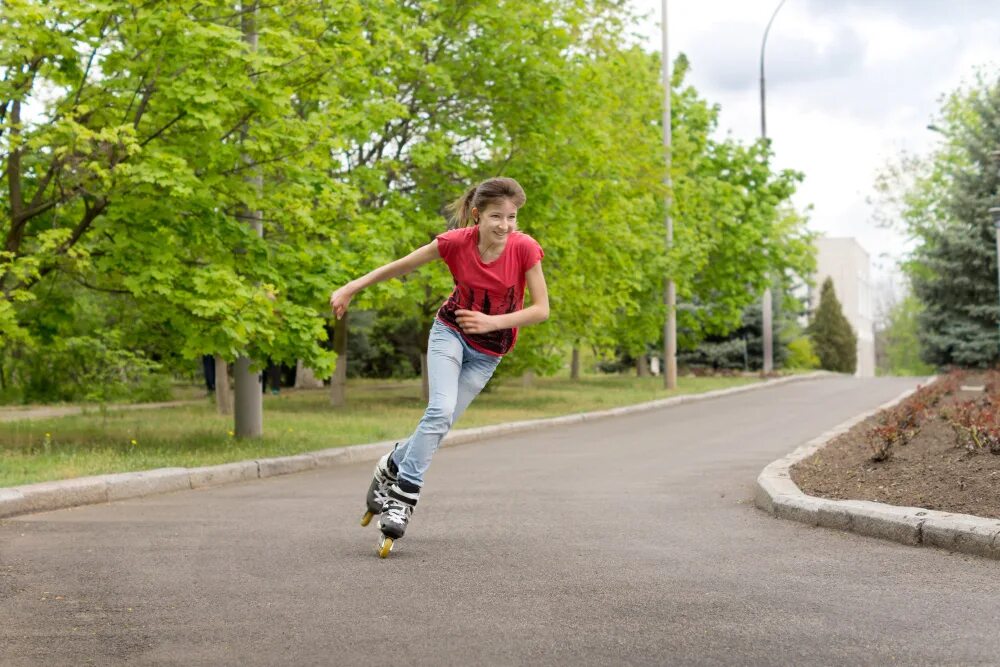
(528, 378)
(642, 366)
(223, 396)
(338, 383)
(305, 378)
(249, 417)
(574, 365)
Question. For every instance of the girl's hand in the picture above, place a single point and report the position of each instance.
(339, 301)
(474, 322)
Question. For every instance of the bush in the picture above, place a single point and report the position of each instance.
(834, 340)
(85, 368)
(801, 354)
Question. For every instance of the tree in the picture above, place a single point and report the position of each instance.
(834, 340)
(900, 342)
(133, 174)
(943, 203)
(742, 347)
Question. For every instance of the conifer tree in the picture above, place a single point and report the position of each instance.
(834, 340)
(957, 283)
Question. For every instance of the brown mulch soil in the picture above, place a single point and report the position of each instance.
(930, 471)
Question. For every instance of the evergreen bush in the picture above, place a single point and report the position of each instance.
(834, 340)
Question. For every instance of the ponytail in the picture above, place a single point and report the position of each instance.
(459, 212)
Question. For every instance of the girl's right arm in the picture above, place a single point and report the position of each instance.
(341, 298)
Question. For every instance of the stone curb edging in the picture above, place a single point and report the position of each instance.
(46, 496)
(778, 494)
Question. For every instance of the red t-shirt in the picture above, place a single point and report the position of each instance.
(494, 288)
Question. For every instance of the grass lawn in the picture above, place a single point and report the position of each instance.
(295, 422)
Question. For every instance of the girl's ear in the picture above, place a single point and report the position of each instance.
(475, 215)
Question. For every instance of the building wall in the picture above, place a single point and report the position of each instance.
(848, 264)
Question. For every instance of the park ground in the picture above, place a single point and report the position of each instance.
(105, 440)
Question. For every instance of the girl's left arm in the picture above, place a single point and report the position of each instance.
(473, 321)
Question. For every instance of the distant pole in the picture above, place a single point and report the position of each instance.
(767, 325)
(763, 44)
(248, 409)
(670, 291)
(995, 212)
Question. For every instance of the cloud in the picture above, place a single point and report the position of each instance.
(728, 57)
(874, 69)
(850, 83)
(915, 13)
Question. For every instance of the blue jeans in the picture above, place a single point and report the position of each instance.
(456, 373)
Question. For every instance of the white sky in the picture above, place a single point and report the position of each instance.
(850, 83)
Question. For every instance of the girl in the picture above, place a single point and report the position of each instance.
(491, 263)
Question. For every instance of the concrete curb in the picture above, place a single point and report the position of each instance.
(778, 494)
(46, 496)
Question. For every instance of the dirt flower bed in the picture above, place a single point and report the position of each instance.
(939, 449)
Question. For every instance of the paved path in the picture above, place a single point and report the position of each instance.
(49, 411)
(624, 541)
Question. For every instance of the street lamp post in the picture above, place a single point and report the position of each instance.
(670, 289)
(767, 325)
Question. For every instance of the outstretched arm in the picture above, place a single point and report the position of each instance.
(473, 321)
(341, 298)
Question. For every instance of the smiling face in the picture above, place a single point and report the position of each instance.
(497, 221)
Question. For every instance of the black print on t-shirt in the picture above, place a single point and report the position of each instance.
(499, 341)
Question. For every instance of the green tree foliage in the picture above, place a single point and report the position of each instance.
(801, 354)
(900, 341)
(743, 347)
(132, 169)
(600, 220)
(731, 235)
(128, 135)
(943, 203)
(833, 339)
(474, 90)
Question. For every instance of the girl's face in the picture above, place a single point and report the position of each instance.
(497, 220)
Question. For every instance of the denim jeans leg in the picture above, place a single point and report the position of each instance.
(477, 369)
(445, 353)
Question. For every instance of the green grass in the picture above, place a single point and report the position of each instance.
(294, 422)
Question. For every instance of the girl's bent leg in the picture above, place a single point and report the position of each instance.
(444, 366)
(477, 369)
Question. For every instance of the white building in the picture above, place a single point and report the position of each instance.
(848, 264)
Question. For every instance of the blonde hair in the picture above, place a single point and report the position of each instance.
(491, 190)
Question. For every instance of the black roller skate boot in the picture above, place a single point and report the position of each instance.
(385, 475)
(396, 514)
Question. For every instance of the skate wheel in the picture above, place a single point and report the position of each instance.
(385, 547)
(367, 518)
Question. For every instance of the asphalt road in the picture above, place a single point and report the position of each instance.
(625, 541)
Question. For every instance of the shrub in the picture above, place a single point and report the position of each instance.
(86, 368)
(833, 338)
(901, 424)
(801, 354)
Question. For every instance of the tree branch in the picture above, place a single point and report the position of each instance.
(239, 126)
(43, 185)
(13, 241)
(163, 129)
(80, 280)
(279, 158)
